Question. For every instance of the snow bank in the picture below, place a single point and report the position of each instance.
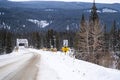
(57, 66)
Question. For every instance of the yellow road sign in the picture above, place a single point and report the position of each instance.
(65, 49)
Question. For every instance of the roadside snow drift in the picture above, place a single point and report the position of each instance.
(57, 66)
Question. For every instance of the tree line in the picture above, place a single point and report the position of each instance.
(6, 40)
(94, 43)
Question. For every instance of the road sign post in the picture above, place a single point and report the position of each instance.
(65, 47)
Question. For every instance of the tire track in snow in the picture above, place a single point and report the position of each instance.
(26, 71)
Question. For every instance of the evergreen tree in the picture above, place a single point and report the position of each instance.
(57, 41)
(9, 45)
(113, 37)
(36, 41)
(81, 40)
(3, 38)
(50, 38)
(106, 40)
(90, 40)
(6, 45)
(95, 39)
(2, 35)
(118, 39)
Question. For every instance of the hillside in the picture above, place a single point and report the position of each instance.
(32, 16)
(56, 4)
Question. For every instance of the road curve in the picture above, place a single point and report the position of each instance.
(26, 70)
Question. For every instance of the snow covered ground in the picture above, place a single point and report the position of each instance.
(58, 66)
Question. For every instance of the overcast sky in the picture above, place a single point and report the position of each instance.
(98, 1)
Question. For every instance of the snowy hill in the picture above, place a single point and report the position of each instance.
(53, 66)
(55, 4)
(43, 15)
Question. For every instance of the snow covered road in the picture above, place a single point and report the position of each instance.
(19, 67)
(32, 64)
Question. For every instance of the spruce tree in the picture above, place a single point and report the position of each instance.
(49, 38)
(113, 37)
(9, 45)
(106, 40)
(36, 41)
(1, 41)
(96, 36)
(81, 40)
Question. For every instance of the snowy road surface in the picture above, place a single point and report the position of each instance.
(19, 67)
(32, 64)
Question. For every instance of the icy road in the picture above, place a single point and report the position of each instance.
(21, 66)
(32, 64)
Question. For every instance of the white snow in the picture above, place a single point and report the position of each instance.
(5, 26)
(98, 11)
(58, 66)
(41, 23)
(16, 58)
(2, 13)
(13, 57)
(107, 10)
(104, 10)
(24, 26)
(49, 10)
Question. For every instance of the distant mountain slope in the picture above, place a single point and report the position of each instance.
(53, 4)
(32, 16)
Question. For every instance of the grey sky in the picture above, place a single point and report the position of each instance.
(98, 1)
